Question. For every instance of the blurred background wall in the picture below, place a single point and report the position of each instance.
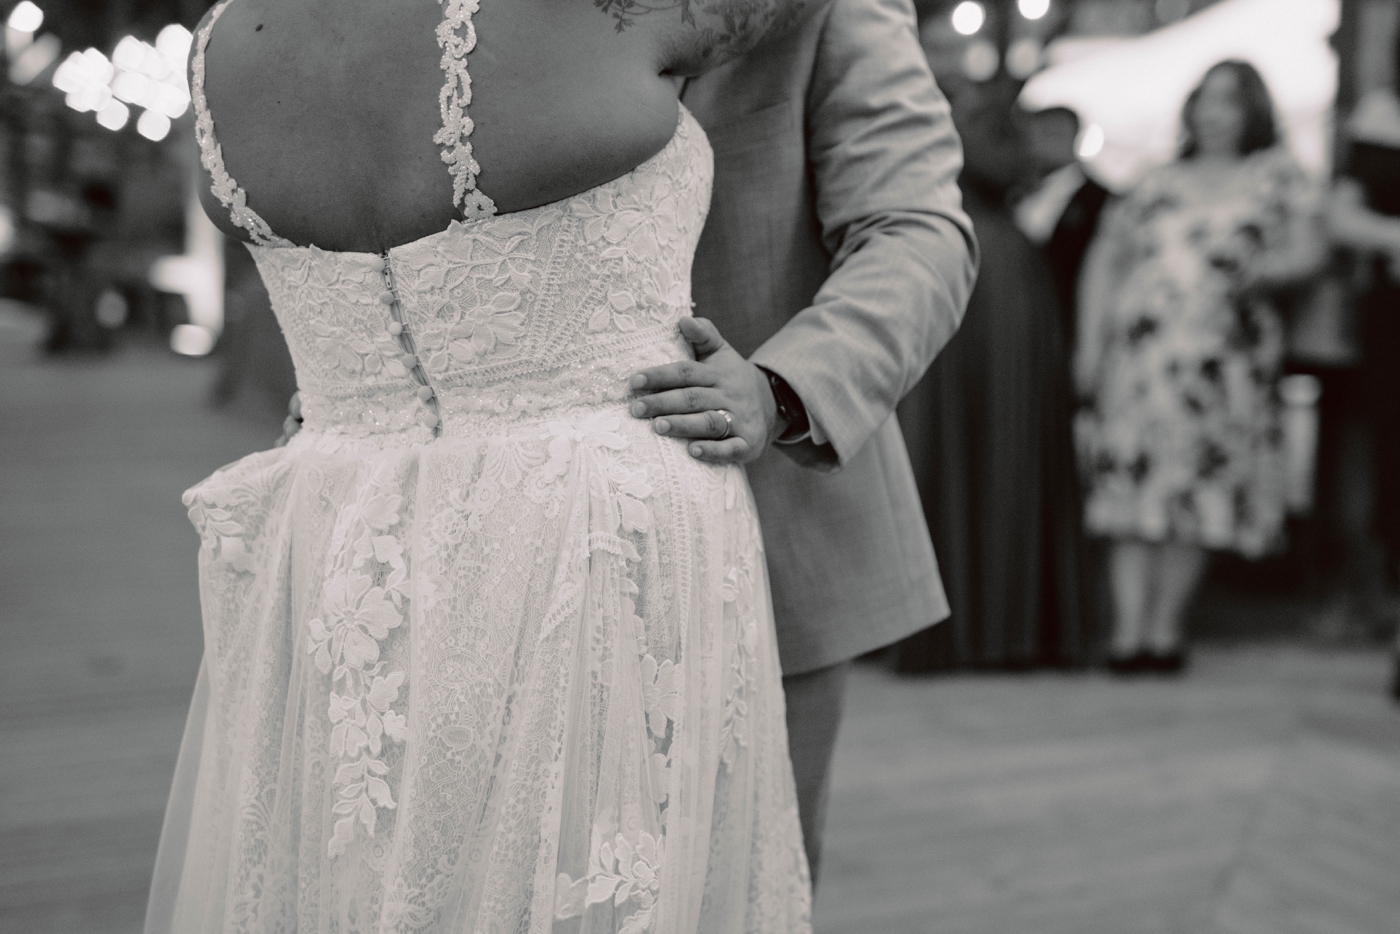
(99, 225)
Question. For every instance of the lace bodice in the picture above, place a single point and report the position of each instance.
(499, 315)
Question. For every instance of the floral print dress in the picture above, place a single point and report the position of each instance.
(1183, 437)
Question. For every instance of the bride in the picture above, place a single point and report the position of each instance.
(482, 652)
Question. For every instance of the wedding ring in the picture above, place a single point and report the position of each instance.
(728, 424)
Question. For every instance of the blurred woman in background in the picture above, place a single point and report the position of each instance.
(1178, 358)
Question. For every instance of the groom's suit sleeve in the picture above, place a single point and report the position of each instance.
(885, 160)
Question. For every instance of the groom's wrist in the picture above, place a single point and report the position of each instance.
(794, 426)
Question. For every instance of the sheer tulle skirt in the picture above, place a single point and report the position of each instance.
(523, 680)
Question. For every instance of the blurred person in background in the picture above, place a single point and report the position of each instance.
(1061, 212)
(70, 206)
(1364, 216)
(1179, 355)
(989, 431)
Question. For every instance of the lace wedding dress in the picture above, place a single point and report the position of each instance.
(482, 652)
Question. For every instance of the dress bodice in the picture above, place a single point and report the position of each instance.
(499, 315)
(511, 315)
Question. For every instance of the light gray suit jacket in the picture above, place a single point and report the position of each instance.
(837, 255)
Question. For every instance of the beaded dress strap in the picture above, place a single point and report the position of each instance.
(457, 37)
(211, 154)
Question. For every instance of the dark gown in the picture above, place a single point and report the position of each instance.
(1377, 169)
(989, 434)
(1067, 246)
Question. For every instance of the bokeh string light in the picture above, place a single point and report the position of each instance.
(1033, 9)
(25, 17)
(28, 56)
(1024, 58)
(968, 17)
(151, 77)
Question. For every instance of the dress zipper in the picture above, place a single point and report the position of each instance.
(390, 299)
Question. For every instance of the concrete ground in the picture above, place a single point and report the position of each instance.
(1259, 794)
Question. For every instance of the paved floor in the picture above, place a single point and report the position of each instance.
(1261, 794)
(100, 615)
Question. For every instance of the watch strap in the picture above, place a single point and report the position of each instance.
(790, 409)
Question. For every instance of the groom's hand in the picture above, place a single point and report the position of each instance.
(687, 399)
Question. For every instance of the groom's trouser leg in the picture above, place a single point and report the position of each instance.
(814, 703)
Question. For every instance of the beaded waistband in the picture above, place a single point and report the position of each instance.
(367, 411)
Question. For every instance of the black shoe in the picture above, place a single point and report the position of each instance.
(1172, 662)
(1137, 663)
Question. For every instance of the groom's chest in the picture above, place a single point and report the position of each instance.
(757, 102)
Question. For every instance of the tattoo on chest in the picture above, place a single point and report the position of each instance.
(723, 25)
(623, 12)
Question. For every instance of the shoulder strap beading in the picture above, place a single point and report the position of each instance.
(211, 154)
(457, 37)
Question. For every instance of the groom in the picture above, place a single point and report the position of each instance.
(834, 265)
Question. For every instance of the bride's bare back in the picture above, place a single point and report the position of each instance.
(326, 109)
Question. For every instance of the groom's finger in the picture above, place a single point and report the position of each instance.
(706, 426)
(678, 402)
(728, 451)
(676, 375)
(703, 336)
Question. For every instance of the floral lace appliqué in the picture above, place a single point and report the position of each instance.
(631, 236)
(742, 615)
(345, 643)
(622, 868)
(226, 517)
(466, 337)
(224, 536)
(354, 355)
